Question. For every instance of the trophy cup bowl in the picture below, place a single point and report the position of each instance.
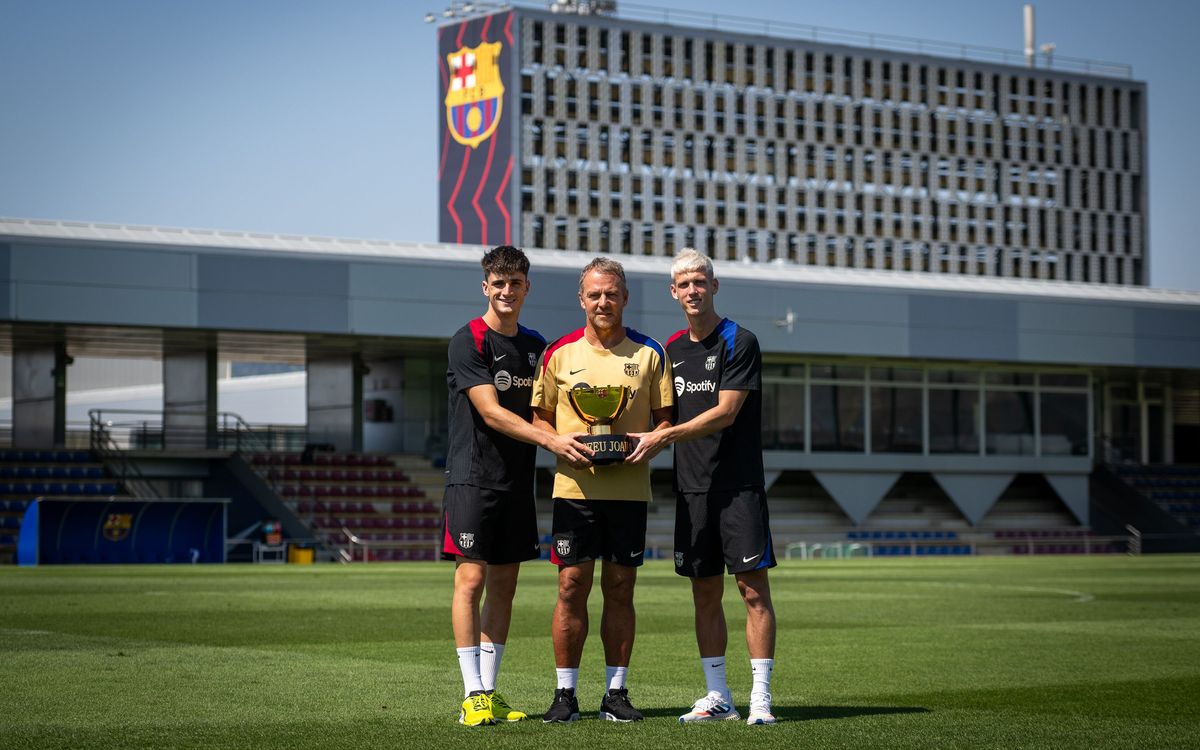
(599, 406)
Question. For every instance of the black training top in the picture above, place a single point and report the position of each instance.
(477, 454)
(728, 359)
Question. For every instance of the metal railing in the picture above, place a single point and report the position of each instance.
(828, 35)
(118, 461)
(146, 429)
(354, 543)
(976, 545)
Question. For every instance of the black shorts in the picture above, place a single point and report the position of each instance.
(492, 526)
(729, 528)
(612, 530)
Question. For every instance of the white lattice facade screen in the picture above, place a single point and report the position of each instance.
(643, 142)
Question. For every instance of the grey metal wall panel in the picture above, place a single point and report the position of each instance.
(255, 311)
(378, 317)
(1075, 333)
(97, 305)
(1167, 338)
(412, 280)
(1083, 318)
(5, 284)
(289, 276)
(954, 327)
(100, 265)
(1038, 347)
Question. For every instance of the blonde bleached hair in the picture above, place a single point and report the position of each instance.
(690, 261)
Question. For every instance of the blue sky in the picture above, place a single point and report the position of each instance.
(322, 116)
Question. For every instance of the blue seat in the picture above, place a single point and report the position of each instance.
(25, 472)
(95, 472)
(42, 472)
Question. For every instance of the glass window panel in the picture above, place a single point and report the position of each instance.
(896, 374)
(1060, 380)
(838, 372)
(783, 416)
(953, 376)
(896, 420)
(1010, 423)
(1008, 378)
(953, 420)
(1064, 424)
(837, 418)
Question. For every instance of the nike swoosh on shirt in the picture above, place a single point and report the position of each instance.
(748, 559)
(638, 553)
(497, 359)
(676, 364)
(581, 369)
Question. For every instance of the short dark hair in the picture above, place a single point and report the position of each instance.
(606, 266)
(503, 260)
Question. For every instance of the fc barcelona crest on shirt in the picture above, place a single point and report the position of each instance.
(711, 362)
(117, 526)
(632, 369)
(475, 93)
(466, 541)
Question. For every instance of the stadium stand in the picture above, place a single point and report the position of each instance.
(381, 504)
(1175, 489)
(26, 475)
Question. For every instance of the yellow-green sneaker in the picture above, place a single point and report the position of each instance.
(501, 711)
(476, 711)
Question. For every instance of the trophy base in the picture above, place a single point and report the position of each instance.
(609, 449)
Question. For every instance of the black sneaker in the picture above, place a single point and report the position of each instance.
(564, 709)
(616, 707)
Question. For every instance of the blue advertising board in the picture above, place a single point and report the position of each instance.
(76, 531)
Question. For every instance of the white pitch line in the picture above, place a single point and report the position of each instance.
(1081, 597)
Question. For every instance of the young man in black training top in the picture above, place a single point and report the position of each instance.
(721, 503)
(489, 525)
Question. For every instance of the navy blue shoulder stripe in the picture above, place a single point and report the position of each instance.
(728, 330)
(643, 339)
(531, 332)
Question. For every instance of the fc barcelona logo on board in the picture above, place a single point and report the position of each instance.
(117, 526)
(476, 94)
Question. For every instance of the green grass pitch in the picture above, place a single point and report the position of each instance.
(1067, 652)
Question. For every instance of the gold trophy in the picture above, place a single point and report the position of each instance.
(599, 406)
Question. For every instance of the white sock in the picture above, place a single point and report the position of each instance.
(615, 677)
(567, 678)
(760, 669)
(714, 674)
(489, 663)
(468, 664)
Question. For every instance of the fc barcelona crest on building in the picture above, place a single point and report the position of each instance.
(475, 94)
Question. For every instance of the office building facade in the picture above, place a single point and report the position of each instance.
(598, 134)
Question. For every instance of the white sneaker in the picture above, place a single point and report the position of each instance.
(760, 709)
(712, 707)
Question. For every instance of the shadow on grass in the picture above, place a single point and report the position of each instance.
(809, 713)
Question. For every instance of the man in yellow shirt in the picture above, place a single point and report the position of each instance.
(599, 511)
